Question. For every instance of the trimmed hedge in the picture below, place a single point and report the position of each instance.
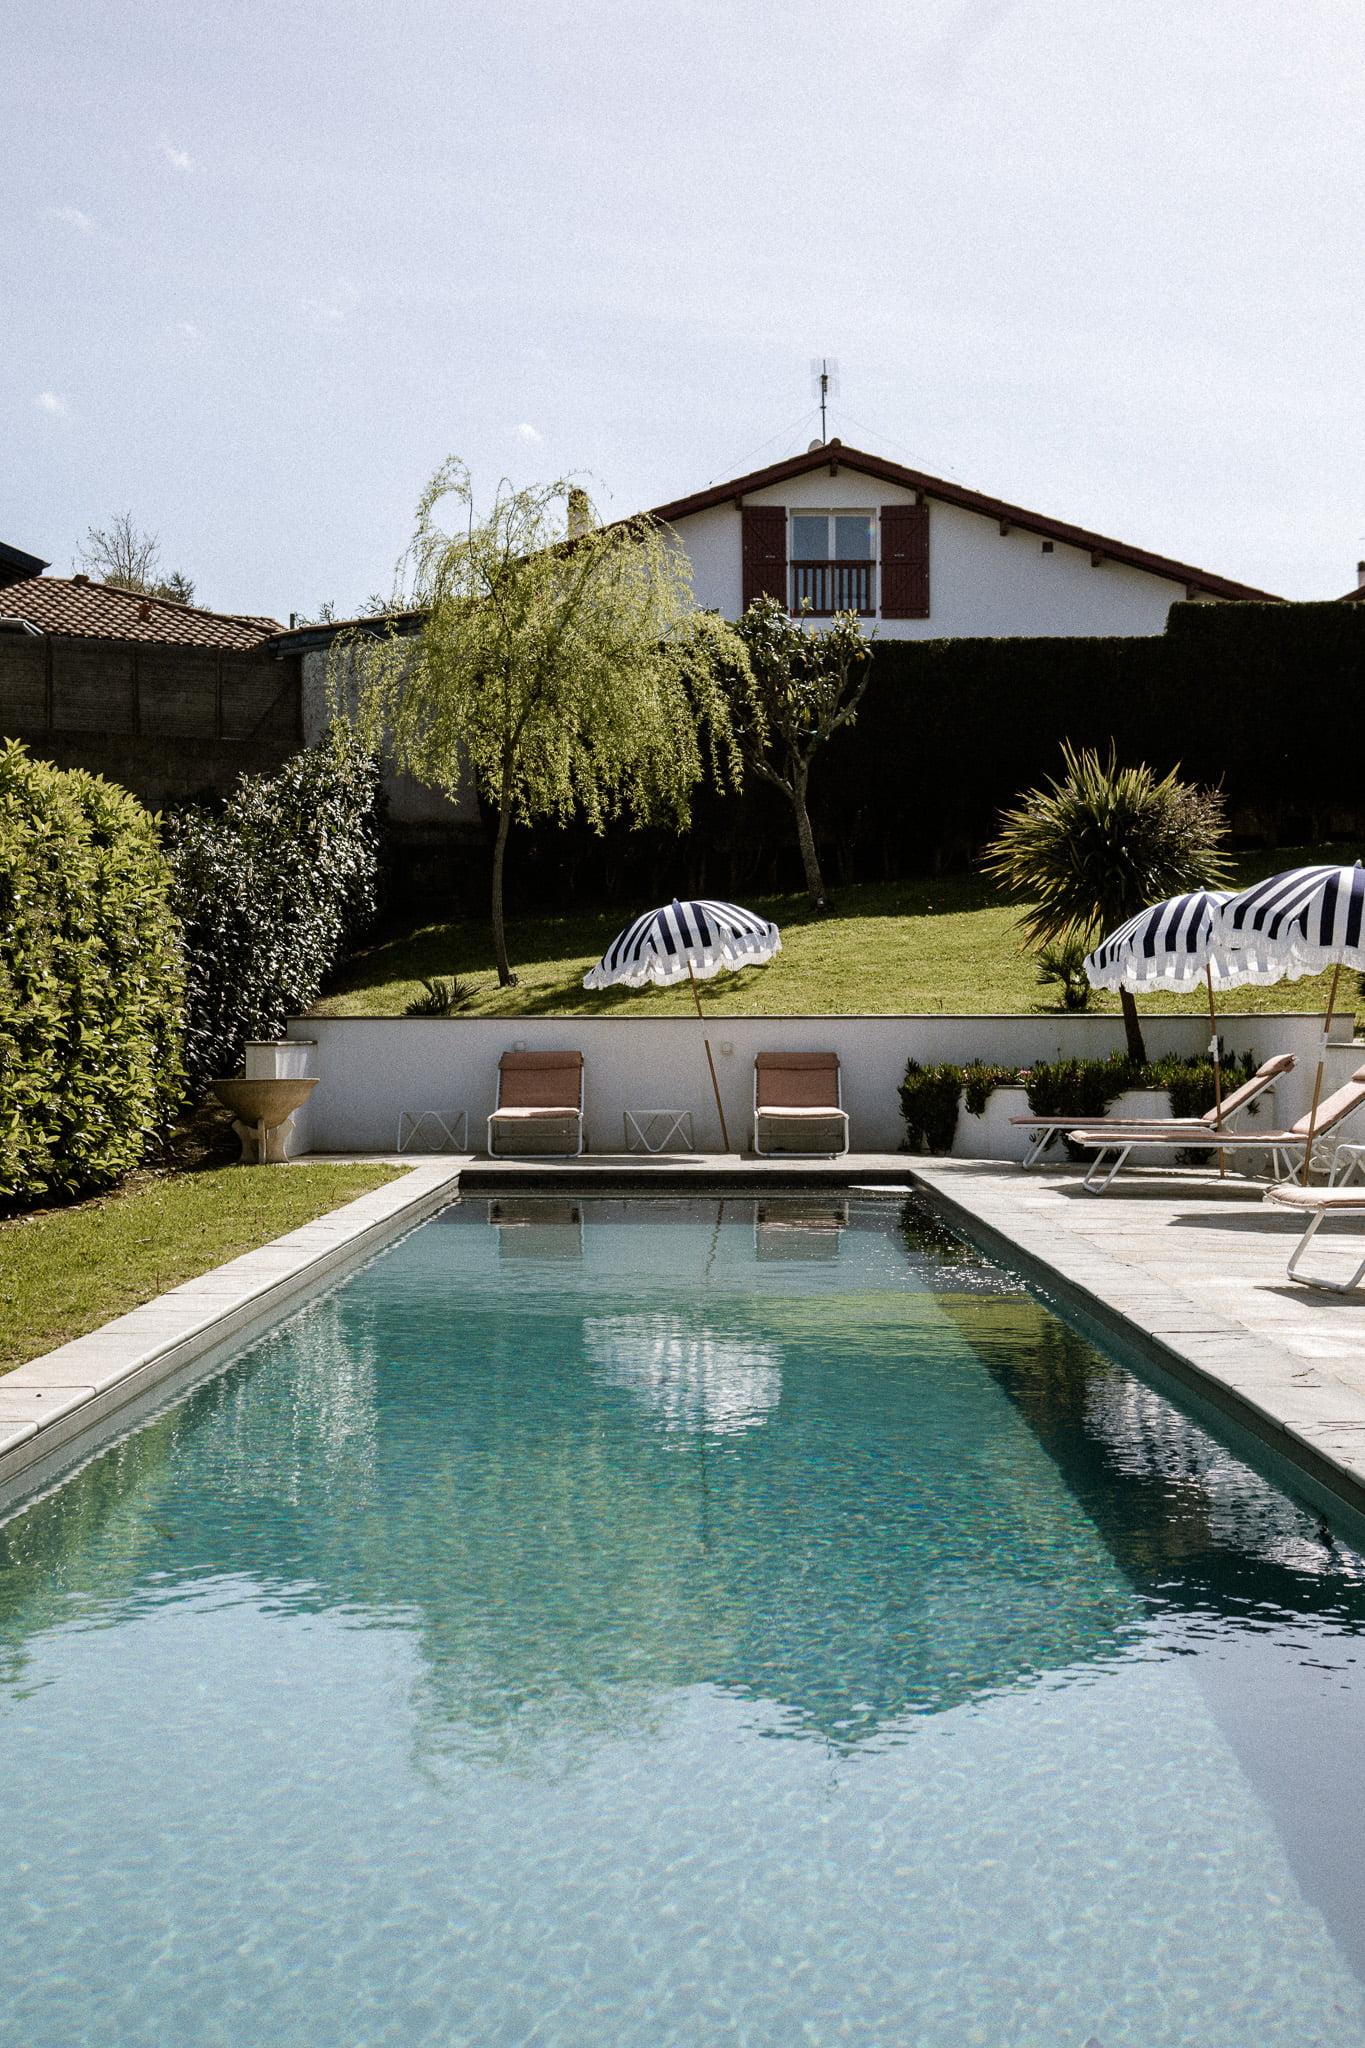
(90, 982)
(272, 887)
(1085, 1089)
(950, 731)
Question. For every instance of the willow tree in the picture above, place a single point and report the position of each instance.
(562, 673)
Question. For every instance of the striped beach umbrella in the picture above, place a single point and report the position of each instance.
(1294, 924)
(687, 942)
(1172, 946)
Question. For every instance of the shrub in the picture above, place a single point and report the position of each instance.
(1063, 963)
(930, 1096)
(271, 887)
(1085, 1089)
(90, 982)
(439, 997)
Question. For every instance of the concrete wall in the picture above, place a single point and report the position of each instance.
(167, 722)
(371, 1069)
(981, 582)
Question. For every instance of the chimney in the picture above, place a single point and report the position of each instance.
(80, 577)
(1360, 575)
(580, 512)
(144, 610)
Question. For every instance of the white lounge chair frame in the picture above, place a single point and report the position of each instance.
(1044, 1130)
(549, 1119)
(1284, 1149)
(800, 1115)
(1317, 1203)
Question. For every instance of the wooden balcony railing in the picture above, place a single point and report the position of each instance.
(823, 588)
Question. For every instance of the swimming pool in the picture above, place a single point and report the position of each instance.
(676, 1622)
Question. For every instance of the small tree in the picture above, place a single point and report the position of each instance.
(799, 688)
(129, 559)
(559, 675)
(1099, 844)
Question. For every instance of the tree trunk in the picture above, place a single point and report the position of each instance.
(506, 978)
(810, 860)
(1131, 1026)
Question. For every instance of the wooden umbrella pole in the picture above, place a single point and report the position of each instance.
(1216, 1056)
(1317, 1078)
(715, 1084)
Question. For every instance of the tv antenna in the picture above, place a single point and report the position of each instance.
(824, 377)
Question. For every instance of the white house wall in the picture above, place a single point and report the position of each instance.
(981, 582)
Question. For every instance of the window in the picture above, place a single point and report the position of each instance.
(831, 562)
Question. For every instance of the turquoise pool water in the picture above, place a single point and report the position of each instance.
(679, 1623)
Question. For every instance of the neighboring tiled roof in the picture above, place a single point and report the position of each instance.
(322, 632)
(835, 451)
(99, 611)
(1356, 596)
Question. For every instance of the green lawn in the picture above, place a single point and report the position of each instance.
(66, 1271)
(948, 944)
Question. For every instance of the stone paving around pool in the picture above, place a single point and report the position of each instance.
(1196, 1270)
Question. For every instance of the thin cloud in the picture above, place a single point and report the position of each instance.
(532, 436)
(187, 330)
(335, 309)
(71, 217)
(178, 159)
(48, 402)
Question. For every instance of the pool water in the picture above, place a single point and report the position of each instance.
(633, 1624)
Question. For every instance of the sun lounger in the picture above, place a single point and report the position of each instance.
(540, 1106)
(798, 1105)
(1043, 1129)
(1280, 1147)
(1315, 1203)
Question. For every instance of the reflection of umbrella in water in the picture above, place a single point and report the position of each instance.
(700, 1381)
(687, 942)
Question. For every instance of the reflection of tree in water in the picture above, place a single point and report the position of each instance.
(870, 1547)
(870, 1527)
(1184, 1517)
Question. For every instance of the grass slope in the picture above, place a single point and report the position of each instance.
(66, 1271)
(946, 944)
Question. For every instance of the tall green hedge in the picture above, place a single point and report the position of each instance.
(950, 731)
(271, 886)
(90, 982)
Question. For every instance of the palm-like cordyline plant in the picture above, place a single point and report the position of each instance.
(1100, 843)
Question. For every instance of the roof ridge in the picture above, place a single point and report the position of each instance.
(968, 500)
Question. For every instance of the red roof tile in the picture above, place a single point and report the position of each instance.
(100, 611)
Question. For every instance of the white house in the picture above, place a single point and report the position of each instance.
(923, 559)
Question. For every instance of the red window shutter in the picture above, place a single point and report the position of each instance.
(765, 553)
(905, 561)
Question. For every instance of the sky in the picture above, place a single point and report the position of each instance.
(266, 265)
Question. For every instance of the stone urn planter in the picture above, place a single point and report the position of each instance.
(261, 1110)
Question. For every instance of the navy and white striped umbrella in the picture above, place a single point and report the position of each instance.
(1298, 922)
(1169, 946)
(685, 942)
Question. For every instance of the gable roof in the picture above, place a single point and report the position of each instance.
(1356, 596)
(101, 611)
(835, 451)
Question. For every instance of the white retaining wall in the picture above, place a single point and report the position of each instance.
(370, 1069)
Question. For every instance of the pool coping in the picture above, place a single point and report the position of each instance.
(58, 1408)
(1314, 1423)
